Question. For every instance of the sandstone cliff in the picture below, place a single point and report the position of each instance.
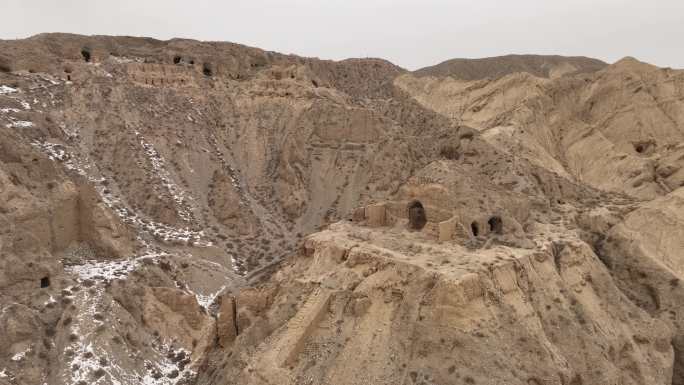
(183, 212)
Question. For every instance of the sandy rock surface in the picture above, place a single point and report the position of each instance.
(181, 212)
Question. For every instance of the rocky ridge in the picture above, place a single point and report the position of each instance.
(182, 212)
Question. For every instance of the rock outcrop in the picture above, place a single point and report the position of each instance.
(181, 212)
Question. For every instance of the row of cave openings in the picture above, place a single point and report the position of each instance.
(418, 220)
(495, 224)
(206, 67)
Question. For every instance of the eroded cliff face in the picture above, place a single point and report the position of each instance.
(618, 129)
(184, 212)
(643, 254)
(381, 306)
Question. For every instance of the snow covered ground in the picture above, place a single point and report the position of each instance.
(19, 124)
(179, 196)
(59, 153)
(6, 90)
(89, 358)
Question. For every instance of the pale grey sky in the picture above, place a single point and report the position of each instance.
(412, 34)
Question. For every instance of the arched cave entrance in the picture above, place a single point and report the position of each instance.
(495, 224)
(416, 214)
(176, 60)
(475, 228)
(206, 70)
(45, 282)
(85, 52)
(5, 65)
(645, 147)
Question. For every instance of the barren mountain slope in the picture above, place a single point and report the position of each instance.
(618, 129)
(183, 212)
(494, 67)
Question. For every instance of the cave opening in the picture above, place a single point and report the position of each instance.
(449, 152)
(475, 228)
(45, 282)
(176, 60)
(644, 147)
(206, 70)
(85, 52)
(495, 224)
(416, 214)
(5, 66)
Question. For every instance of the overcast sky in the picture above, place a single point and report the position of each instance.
(412, 34)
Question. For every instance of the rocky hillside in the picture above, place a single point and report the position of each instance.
(183, 212)
(543, 66)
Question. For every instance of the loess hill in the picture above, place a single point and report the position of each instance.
(182, 212)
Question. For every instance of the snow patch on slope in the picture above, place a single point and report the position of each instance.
(19, 124)
(109, 270)
(159, 165)
(206, 300)
(5, 90)
(21, 355)
(58, 153)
